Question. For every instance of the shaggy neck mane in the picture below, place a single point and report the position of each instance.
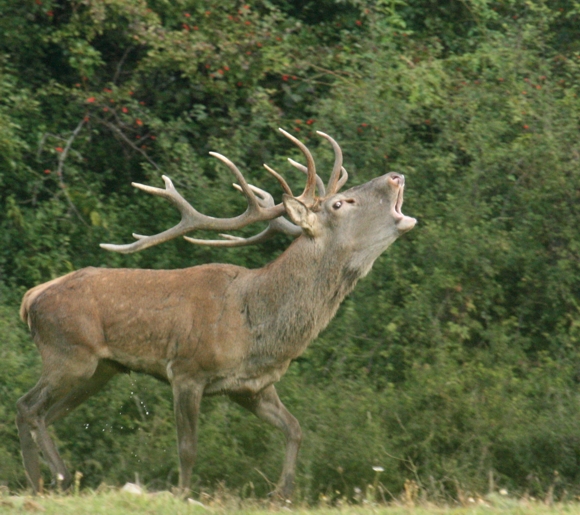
(292, 299)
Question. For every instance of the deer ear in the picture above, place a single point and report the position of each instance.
(301, 215)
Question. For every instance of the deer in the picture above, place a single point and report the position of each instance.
(211, 329)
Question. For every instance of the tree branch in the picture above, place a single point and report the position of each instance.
(118, 131)
(59, 171)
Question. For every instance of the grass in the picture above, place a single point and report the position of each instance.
(116, 502)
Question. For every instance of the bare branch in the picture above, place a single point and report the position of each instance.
(120, 64)
(118, 131)
(59, 172)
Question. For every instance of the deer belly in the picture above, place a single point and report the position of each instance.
(153, 367)
(248, 383)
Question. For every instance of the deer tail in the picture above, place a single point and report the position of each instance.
(31, 295)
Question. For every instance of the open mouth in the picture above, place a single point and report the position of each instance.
(398, 204)
(404, 223)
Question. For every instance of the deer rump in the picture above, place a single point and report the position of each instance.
(209, 329)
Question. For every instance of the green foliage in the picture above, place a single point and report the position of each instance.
(454, 361)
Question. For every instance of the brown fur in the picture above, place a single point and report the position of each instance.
(30, 297)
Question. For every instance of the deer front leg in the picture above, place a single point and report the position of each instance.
(186, 401)
(267, 406)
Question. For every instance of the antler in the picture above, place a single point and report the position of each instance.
(338, 177)
(302, 168)
(282, 225)
(275, 226)
(261, 208)
(307, 196)
(191, 219)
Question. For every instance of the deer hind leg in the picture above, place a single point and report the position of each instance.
(54, 396)
(267, 406)
(27, 434)
(105, 371)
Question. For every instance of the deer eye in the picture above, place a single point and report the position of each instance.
(337, 204)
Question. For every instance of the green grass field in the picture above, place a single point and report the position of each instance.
(115, 502)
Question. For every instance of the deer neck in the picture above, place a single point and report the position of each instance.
(293, 298)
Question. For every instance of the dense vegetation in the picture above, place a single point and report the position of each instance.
(455, 364)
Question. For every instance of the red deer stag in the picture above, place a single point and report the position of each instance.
(210, 329)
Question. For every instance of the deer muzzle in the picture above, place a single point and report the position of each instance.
(404, 223)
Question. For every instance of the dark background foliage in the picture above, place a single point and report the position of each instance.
(454, 364)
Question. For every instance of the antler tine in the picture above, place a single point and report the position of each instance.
(334, 177)
(342, 181)
(169, 193)
(252, 201)
(188, 216)
(280, 179)
(319, 183)
(264, 198)
(307, 195)
(277, 225)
